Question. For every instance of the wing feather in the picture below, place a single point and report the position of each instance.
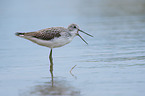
(47, 34)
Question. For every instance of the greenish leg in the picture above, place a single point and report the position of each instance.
(50, 55)
(51, 65)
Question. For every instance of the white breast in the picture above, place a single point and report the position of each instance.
(54, 43)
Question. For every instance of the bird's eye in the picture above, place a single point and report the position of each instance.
(75, 27)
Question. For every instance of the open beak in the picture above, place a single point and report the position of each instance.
(84, 33)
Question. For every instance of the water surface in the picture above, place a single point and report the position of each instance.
(113, 64)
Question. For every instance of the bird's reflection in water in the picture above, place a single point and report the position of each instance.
(55, 87)
(60, 88)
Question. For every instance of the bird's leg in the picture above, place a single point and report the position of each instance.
(50, 56)
(51, 66)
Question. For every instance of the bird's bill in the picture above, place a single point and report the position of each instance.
(85, 32)
(82, 38)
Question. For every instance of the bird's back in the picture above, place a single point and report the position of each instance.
(44, 34)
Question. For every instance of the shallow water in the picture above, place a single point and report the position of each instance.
(113, 64)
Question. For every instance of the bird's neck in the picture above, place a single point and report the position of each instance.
(72, 34)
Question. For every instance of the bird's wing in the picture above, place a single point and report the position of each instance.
(47, 34)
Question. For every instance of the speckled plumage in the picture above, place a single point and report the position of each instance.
(53, 37)
(50, 37)
(48, 33)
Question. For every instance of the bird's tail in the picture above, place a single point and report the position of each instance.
(19, 34)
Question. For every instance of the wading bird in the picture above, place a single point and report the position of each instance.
(53, 37)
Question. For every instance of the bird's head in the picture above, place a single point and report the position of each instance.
(75, 29)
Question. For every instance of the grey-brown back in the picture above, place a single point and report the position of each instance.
(46, 34)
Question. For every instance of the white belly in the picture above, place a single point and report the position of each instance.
(54, 43)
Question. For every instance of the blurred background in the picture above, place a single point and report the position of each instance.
(113, 64)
